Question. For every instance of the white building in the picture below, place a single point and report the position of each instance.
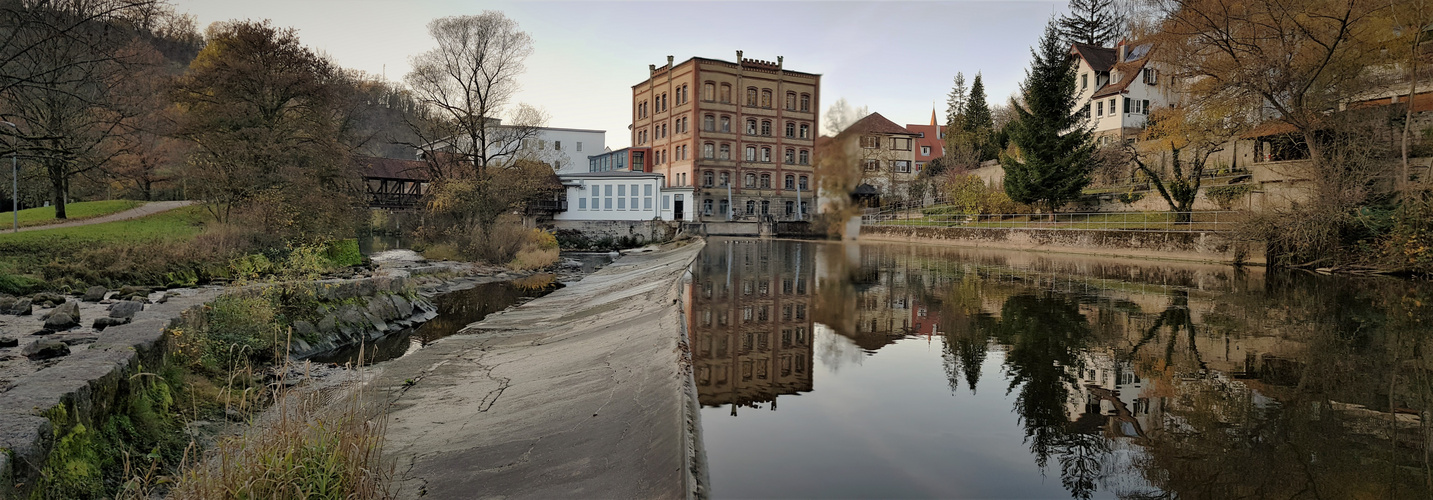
(1118, 87)
(623, 196)
(567, 149)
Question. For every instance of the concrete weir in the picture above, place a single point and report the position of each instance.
(584, 393)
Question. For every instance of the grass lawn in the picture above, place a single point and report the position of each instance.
(40, 216)
(180, 223)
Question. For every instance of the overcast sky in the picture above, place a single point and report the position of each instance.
(898, 58)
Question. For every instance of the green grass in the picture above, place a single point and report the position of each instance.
(177, 224)
(40, 216)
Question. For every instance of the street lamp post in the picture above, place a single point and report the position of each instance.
(15, 180)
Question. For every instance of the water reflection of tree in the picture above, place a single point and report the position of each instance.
(1046, 334)
(967, 332)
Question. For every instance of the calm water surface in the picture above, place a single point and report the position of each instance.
(844, 370)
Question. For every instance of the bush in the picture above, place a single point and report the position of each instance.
(234, 331)
(1410, 244)
(1225, 196)
(343, 253)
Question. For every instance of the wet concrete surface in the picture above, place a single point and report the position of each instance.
(578, 394)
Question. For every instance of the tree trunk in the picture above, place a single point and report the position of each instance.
(1405, 179)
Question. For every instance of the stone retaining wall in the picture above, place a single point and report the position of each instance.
(647, 230)
(1166, 245)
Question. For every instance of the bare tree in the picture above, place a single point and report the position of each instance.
(467, 82)
(841, 115)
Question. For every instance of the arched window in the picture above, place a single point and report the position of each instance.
(766, 98)
(803, 184)
(726, 123)
(751, 153)
(791, 101)
(725, 179)
(805, 157)
(751, 96)
(709, 91)
(707, 179)
(749, 180)
(709, 150)
(709, 123)
(765, 181)
(805, 131)
(806, 102)
(725, 152)
(707, 207)
(766, 127)
(766, 154)
(790, 129)
(726, 93)
(750, 207)
(790, 181)
(750, 127)
(790, 156)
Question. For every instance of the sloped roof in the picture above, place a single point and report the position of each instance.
(391, 168)
(1128, 72)
(1099, 58)
(874, 123)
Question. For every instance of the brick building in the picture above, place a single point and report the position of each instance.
(741, 133)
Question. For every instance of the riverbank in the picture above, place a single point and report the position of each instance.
(581, 393)
(1207, 247)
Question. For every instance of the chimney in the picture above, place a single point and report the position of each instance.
(738, 57)
(651, 69)
(669, 61)
(1121, 47)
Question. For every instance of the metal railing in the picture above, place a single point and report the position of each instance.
(1194, 222)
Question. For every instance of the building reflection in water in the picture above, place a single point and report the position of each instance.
(750, 322)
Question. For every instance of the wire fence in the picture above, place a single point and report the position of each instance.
(1201, 222)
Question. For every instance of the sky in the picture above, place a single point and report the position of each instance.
(897, 58)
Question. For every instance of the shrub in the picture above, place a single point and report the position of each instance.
(232, 332)
(1225, 196)
(343, 253)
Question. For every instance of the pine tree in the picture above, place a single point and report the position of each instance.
(1093, 22)
(955, 102)
(978, 121)
(1055, 146)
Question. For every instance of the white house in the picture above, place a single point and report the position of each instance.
(1118, 87)
(567, 149)
(623, 196)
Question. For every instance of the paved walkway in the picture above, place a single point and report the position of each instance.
(578, 394)
(150, 208)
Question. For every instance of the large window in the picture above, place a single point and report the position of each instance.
(803, 184)
(765, 181)
(791, 129)
(790, 181)
(751, 153)
(806, 102)
(766, 127)
(901, 166)
(708, 178)
(708, 151)
(750, 127)
(709, 91)
(870, 142)
(726, 93)
(766, 98)
(749, 180)
(725, 179)
(725, 152)
(791, 101)
(805, 131)
(750, 207)
(709, 123)
(726, 124)
(805, 157)
(901, 143)
(766, 154)
(790, 157)
(751, 96)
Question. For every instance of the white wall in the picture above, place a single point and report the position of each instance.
(613, 199)
(570, 158)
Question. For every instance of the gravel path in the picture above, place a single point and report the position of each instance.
(150, 208)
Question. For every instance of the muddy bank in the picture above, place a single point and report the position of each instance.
(582, 393)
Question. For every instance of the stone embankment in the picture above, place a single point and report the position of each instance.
(81, 351)
(1159, 245)
(586, 392)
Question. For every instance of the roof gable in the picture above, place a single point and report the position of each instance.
(1099, 58)
(874, 123)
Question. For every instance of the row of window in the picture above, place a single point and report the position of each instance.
(660, 100)
(1132, 106)
(897, 143)
(1149, 76)
(753, 181)
(793, 156)
(755, 97)
(710, 123)
(900, 166)
(753, 207)
(602, 198)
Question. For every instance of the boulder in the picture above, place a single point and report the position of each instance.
(6, 302)
(130, 291)
(9, 342)
(125, 309)
(45, 349)
(328, 324)
(48, 299)
(61, 321)
(21, 307)
(303, 328)
(95, 294)
(70, 308)
(382, 307)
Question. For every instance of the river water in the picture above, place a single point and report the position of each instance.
(844, 370)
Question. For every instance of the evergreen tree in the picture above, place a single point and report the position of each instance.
(1053, 163)
(1093, 22)
(955, 102)
(978, 122)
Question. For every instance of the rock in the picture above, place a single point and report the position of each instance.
(102, 323)
(48, 299)
(351, 316)
(95, 294)
(328, 324)
(45, 349)
(162, 299)
(6, 302)
(69, 308)
(21, 307)
(382, 307)
(125, 309)
(61, 321)
(405, 308)
(44, 332)
(303, 328)
(129, 291)
(9, 342)
(74, 340)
